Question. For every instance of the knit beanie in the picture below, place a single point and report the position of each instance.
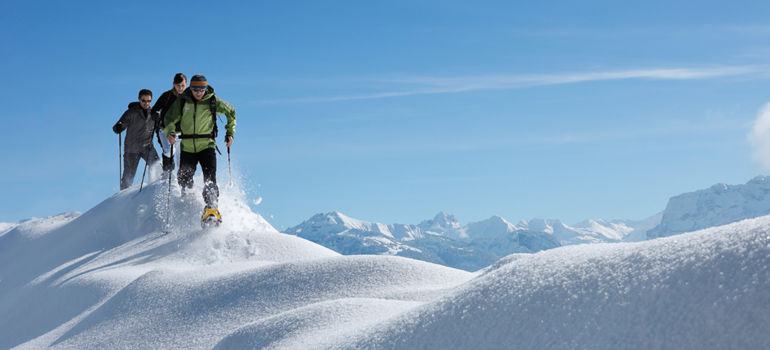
(198, 82)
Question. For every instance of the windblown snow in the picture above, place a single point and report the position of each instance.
(110, 278)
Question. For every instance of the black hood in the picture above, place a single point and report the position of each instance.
(134, 104)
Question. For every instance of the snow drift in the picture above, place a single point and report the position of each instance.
(703, 290)
(110, 278)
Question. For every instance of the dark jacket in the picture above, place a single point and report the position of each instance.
(164, 101)
(139, 125)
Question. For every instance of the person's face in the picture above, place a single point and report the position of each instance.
(198, 93)
(180, 87)
(146, 101)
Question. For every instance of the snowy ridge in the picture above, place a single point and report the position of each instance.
(109, 278)
(488, 229)
(37, 226)
(718, 205)
(7, 226)
(592, 230)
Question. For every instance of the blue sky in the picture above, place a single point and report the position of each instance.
(393, 111)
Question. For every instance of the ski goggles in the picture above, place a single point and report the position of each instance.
(198, 89)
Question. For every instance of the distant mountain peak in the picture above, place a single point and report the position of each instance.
(442, 222)
(543, 225)
(760, 179)
(444, 217)
(339, 217)
(497, 218)
(494, 226)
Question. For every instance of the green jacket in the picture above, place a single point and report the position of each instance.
(197, 120)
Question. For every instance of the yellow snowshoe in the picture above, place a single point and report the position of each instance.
(211, 217)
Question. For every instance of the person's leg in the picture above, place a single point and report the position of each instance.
(130, 162)
(168, 164)
(187, 164)
(150, 157)
(208, 160)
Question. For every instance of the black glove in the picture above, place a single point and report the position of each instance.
(118, 127)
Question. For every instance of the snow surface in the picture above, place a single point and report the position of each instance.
(36, 226)
(7, 226)
(703, 290)
(110, 278)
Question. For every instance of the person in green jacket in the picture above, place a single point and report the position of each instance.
(198, 128)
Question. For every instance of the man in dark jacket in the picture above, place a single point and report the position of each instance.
(140, 124)
(163, 103)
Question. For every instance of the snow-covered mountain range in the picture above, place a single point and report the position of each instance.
(110, 279)
(444, 240)
(718, 205)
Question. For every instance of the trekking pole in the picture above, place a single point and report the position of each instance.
(229, 169)
(120, 162)
(168, 199)
(146, 160)
(147, 156)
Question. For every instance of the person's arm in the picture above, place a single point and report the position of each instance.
(122, 123)
(229, 111)
(172, 117)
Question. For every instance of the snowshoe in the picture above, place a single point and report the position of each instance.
(211, 218)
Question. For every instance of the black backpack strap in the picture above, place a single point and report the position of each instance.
(182, 100)
(158, 126)
(213, 107)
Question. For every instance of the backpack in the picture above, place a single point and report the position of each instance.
(212, 106)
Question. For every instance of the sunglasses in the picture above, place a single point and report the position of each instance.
(198, 89)
(146, 101)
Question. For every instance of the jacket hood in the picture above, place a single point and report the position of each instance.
(134, 104)
(188, 93)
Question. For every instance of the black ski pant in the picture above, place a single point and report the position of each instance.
(188, 162)
(131, 162)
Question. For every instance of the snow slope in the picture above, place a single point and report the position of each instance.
(110, 279)
(702, 290)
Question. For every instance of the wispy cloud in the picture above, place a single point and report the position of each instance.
(411, 86)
